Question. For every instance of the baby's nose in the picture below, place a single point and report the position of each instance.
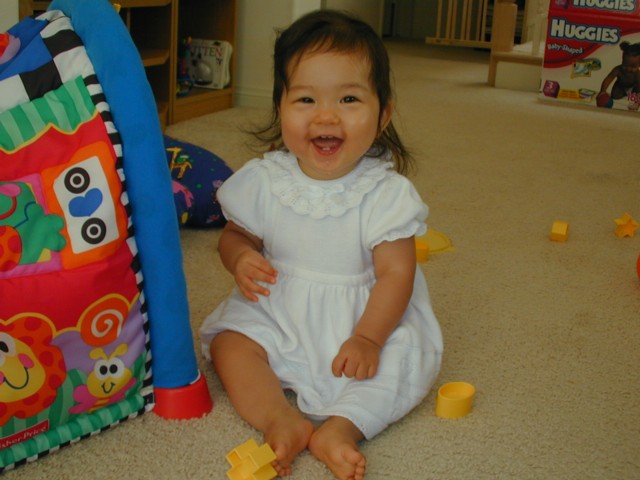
(326, 115)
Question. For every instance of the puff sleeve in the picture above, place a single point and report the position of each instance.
(395, 211)
(243, 197)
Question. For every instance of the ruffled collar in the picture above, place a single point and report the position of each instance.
(318, 198)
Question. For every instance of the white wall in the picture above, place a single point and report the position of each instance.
(255, 35)
(258, 22)
(300, 7)
(8, 14)
(371, 11)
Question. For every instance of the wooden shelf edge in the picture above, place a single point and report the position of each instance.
(201, 101)
(44, 4)
(154, 56)
(198, 93)
(141, 3)
(40, 5)
(163, 114)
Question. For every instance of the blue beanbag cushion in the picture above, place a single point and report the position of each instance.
(196, 174)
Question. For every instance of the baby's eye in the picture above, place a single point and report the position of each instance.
(305, 100)
(349, 99)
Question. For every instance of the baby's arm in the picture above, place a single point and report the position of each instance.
(613, 74)
(240, 252)
(395, 266)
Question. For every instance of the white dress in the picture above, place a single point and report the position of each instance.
(319, 235)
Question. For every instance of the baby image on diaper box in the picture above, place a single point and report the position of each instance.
(592, 53)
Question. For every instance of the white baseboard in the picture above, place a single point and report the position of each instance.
(252, 97)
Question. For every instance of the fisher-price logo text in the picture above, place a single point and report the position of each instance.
(613, 5)
(560, 28)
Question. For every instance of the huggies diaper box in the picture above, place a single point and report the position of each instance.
(592, 53)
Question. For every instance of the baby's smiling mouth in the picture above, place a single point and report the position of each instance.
(327, 144)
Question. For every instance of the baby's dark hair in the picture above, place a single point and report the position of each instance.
(631, 49)
(335, 31)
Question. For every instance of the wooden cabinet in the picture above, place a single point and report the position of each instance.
(157, 27)
(213, 20)
(151, 24)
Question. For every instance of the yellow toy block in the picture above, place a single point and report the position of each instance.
(251, 462)
(422, 251)
(235, 456)
(626, 226)
(560, 231)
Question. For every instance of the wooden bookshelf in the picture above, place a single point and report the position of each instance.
(157, 28)
(212, 20)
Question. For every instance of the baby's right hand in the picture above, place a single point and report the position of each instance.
(251, 268)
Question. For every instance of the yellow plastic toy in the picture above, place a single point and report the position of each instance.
(422, 251)
(251, 462)
(626, 226)
(431, 242)
(455, 399)
(559, 231)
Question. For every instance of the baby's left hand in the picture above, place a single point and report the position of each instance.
(358, 357)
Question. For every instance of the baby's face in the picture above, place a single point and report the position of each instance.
(631, 63)
(330, 113)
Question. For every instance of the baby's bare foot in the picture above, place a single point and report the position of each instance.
(288, 435)
(335, 444)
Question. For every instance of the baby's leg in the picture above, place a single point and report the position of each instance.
(618, 91)
(256, 394)
(335, 444)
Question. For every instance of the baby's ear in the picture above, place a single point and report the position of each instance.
(385, 116)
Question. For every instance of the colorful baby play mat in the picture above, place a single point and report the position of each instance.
(89, 295)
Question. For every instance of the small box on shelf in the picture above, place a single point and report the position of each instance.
(209, 63)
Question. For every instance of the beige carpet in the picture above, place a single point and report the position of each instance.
(549, 333)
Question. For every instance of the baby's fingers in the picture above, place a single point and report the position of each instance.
(360, 371)
(264, 273)
(338, 365)
(256, 267)
(251, 289)
(350, 368)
